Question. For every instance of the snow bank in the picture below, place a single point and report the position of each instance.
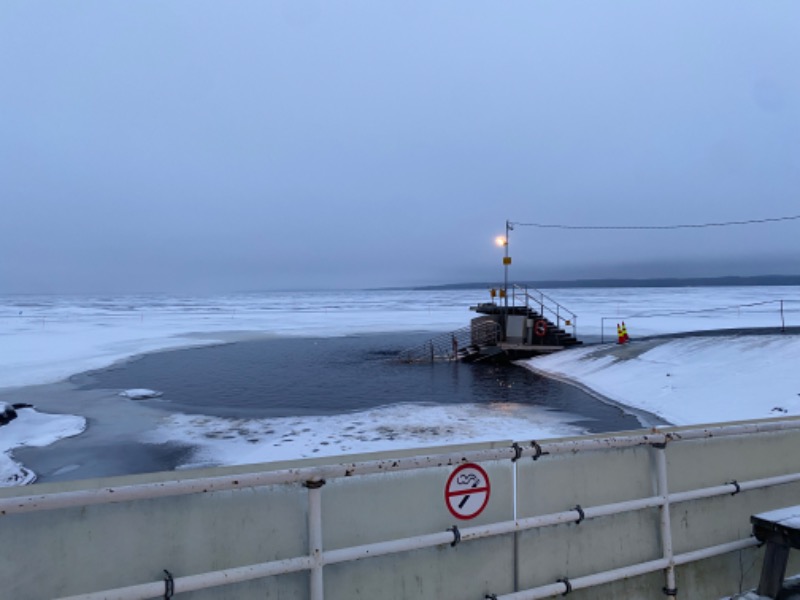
(32, 428)
(7, 413)
(690, 380)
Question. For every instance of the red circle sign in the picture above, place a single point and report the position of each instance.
(467, 491)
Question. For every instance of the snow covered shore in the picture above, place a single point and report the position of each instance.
(690, 380)
(31, 428)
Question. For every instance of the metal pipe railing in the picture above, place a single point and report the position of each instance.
(314, 479)
(683, 313)
(664, 518)
(318, 559)
(554, 308)
(202, 581)
(145, 491)
(565, 586)
(446, 346)
(315, 538)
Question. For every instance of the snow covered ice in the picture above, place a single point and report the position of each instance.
(689, 380)
(140, 394)
(32, 428)
(245, 441)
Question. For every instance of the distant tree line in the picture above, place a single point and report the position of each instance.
(756, 280)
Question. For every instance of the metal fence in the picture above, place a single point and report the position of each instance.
(454, 344)
(546, 306)
(775, 308)
(524, 459)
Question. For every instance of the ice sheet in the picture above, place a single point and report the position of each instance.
(48, 338)
(32, 428)
(244, 441)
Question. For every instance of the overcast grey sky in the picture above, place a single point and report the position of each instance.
(206, 146)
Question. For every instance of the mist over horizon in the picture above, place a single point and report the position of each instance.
(630, 275)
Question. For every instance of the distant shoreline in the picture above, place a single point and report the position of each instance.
(660, 282)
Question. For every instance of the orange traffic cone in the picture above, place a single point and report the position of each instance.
(620, 336)
(624, 333)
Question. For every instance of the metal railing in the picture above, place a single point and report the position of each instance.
(315, 478)
(778, 310)
(454, 344)
(563, 317)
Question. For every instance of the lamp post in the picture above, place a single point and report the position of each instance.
(503, 241)
(506, 262)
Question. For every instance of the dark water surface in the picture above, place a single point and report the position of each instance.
(274, 377)
(280, 377)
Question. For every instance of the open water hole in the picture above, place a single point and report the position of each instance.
(278, 377)
(275, 377)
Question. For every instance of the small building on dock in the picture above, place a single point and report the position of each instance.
(522, 332)
(527, 324)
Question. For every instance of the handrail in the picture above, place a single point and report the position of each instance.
(556, 312)
(676, 313)
(447, 346)
(47, 501)
(662, 499)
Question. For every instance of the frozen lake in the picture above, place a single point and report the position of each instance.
(310, 373)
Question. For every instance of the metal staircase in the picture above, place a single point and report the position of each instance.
(462, 344)
(546, 308)
(530, 324)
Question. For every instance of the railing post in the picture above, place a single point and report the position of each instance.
(783, 323)
(670, 589)
(315, 537)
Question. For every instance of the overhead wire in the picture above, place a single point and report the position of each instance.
(657, 227)
(702, 310)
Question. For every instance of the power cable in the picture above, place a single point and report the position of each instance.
(659, 227)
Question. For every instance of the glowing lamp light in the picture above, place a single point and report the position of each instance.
(500, 240)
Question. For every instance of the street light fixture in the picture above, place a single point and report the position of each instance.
(503, 241)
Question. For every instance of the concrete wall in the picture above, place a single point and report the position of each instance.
(65, 552)
(589, 479)
(70, 551)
